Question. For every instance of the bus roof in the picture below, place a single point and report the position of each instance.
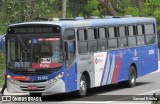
(92, 22)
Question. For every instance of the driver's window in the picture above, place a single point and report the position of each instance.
(69, 47)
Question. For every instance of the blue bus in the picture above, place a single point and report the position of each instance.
(68, 55)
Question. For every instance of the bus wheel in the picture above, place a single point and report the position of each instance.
(132, 77)
(35, 94)
(82, 86)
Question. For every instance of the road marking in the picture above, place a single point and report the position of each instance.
(149, 92)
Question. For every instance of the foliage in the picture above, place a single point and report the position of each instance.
(14, 11)
(2, 68)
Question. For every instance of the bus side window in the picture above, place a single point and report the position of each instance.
(92, 40)
(102, 41)
(150, 34)
(69, 47)
(140, 35)
(82, 41)
(122, 39)
(112, 40)
(131, 36)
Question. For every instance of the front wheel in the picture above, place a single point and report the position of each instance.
(82, 86)
(132, 77)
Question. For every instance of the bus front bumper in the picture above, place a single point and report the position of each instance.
(40, 87)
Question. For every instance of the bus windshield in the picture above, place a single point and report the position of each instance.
(34, 52)
(47, 53)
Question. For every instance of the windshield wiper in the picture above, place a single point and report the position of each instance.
(22, 43)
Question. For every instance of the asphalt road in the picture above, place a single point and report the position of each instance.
(112, 94)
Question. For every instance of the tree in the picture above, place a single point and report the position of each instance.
(64, 8)
(109, 7)
(140, 6)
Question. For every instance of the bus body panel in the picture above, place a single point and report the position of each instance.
(71, 77)
(148, 59)
(85, 64)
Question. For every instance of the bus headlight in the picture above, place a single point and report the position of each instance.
(59, 76)
(11, 79)
(8, 76)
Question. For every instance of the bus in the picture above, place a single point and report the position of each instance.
(66, 55)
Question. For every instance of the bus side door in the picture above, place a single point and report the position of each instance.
(70, 61)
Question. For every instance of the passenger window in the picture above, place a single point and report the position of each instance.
(112, 40)
(112, 32)
(131, 30)
(92, 46)
(132, 41)
(122, 40)
(82, 36)
(150, 34)
(122, 31)
(112, 43)
(140, 30)
(140, 35)
(92, 40)
(82, 41)
(149, 29)
(102, 33)
(102, 42)
(92, 34)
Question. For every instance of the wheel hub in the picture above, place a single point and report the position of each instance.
(82, 85)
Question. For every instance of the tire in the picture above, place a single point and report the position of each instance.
(82, 87)
(131, 77)
(35, 94)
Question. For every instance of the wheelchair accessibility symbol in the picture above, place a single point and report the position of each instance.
(35, 40)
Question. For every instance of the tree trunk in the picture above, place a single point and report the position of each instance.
(64, 9)
(109, 7)
(140, 6)
(133, 3)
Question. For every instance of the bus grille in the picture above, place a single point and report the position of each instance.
(39, 88)
(33, 81)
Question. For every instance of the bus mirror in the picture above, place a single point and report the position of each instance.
(2, 44)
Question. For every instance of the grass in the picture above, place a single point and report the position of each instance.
(2, 69)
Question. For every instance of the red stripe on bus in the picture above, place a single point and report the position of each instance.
(115, 75)
(19, 78)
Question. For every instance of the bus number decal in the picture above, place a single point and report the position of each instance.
(43, 78)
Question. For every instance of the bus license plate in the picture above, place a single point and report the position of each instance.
(32, 87)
